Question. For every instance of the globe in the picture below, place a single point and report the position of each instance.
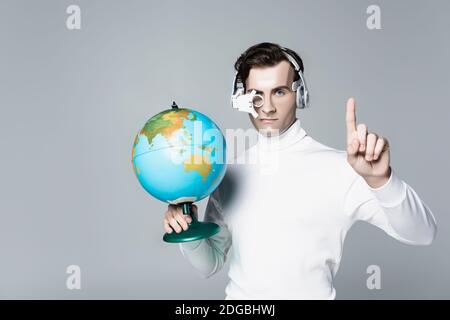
(179, 158)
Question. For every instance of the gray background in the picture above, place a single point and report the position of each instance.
(72, 101)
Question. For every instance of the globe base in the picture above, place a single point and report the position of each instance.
(197, 230)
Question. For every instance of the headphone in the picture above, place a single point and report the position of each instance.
(299, 86)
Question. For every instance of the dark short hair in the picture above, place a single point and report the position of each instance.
(264, 54)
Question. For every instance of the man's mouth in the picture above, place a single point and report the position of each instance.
(267, 120)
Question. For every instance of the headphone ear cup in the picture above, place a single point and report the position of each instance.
(306, 98)
(300, 98)
(303, 97)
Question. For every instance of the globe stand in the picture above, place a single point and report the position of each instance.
(197, 230)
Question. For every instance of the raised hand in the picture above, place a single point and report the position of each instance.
(367, 153)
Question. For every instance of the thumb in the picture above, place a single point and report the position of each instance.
(352, 151)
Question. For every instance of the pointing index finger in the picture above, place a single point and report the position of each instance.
(350, 118)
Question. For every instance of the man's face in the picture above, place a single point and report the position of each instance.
(274, 84)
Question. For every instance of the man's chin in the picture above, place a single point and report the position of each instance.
(269, 130)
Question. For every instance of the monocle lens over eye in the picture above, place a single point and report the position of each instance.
(258, 101)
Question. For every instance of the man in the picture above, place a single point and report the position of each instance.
(287, 228)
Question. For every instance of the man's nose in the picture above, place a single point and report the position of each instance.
(267, 106)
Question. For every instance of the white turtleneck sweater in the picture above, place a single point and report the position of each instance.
(287, 214)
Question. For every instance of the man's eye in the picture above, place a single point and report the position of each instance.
(279, 93)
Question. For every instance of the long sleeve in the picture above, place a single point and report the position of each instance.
(394, 207)
(209, 255)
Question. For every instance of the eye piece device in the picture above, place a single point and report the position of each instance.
(247, 102)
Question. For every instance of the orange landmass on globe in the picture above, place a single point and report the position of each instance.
(166, 123)
(176, 118)
(197, 162)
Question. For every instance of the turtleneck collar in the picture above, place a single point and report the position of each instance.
(290, 136)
